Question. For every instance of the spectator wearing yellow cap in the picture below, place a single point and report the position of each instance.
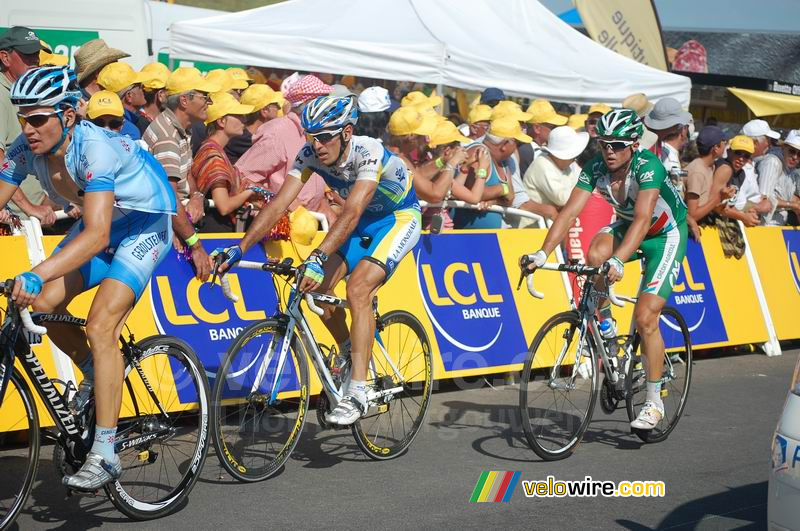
(226, 84)
(544, 119)
(105, 110)
(408, 132)
(434, 179)
(168, 140)
(48, 58)
(267, 105)
(155, 89)
(123, 80)
(419, 99)
(595, 111)
(577, 121)
(238, 74)
(478, 120)
(498, 170)
(212, 170)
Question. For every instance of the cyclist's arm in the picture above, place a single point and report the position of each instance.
(566, 217)
(642, 216)
(357, 201)
(272, 212)
(98, 208)
(7, 190)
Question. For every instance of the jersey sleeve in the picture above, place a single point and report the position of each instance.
(301, 168)
(16, 162)
(98, 166)
(587, 179)
(651, 174)
(370, 159)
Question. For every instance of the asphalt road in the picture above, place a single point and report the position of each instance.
(714, 466)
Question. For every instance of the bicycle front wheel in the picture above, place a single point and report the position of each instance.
(162, 434)
(19, 447)
(400, 382)
(557, 390)
(675, 380)
(259, 406)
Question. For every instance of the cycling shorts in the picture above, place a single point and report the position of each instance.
(138, 242)
(384, 241)
(663, 254)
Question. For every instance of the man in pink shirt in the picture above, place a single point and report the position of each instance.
(276, 144)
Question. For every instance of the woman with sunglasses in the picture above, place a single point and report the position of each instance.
(105, 110)
(729, 176)
(380, 223)
(125, 233)
(651, 217)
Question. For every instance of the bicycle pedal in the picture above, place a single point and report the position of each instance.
(383, 408)
(644, 435)
(82, 493)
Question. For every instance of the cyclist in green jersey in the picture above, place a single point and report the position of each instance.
(651, 217)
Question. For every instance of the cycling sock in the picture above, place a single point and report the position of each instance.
(358, 389)
(654, 392)
(605, 312)
(104, 439)
(87, 368)
(344, 347)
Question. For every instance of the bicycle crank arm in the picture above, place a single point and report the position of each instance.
(376, 395)
(144, 439)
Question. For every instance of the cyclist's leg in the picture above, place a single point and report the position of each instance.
(55, 297)
(334, 318)
(600, 249)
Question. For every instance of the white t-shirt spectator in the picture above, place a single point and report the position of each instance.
(547, 184)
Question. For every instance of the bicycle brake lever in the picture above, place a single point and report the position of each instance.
(218, 261)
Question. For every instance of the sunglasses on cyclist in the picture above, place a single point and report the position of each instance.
(742, 154)
(36, 120)
(323, 138)
(615, 145)
(113, 123)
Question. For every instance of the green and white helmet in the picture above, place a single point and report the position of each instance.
(621, 123)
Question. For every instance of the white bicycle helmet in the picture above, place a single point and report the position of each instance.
(48, 86)
(330, 114)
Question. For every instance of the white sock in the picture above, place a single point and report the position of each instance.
(358, 389)
(104, 439)
(654, 393)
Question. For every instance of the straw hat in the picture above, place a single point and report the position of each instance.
(93, 56)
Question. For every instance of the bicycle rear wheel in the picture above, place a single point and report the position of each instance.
(162, 434)
(675, 380)
(403, 376)
(19, 447)
(254, 434)
(556, 403)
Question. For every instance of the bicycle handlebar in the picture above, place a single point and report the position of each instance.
(578, 269)
(284, 268)
(24, 313)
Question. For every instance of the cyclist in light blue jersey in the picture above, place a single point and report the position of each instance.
(379, 224)
(125, 233)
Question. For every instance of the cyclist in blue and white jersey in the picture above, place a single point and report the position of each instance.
(125, 233)
(379, 224)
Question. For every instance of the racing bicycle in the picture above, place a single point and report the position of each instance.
(162, 435)
(560, 379)
(261, 394)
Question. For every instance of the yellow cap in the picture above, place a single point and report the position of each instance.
(48, 58)
(259, 96)
(418, 98)
(225, 80)
(223, 104)
(256, 75)
(445, 133)
(602, 108)
(743, 143)
(104, 103)
(158, 74)
(507, 127)
(577, 121)
(509, 111)
(479, 113)
(188, 78)
(508, 104)
(302, 226)
(118, 76)
(409, 121)
(240, 73)
(542, 112)
(430, 112)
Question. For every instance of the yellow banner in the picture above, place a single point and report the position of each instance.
(629, 27)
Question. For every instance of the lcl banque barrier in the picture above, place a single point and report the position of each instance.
(462, 286)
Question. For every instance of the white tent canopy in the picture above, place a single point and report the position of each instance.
(516, 45)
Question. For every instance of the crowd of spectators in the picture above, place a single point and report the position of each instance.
(228, 139)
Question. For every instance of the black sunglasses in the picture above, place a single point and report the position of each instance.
(592, 121)
(615, 145)
(742, 154)
(113, 123)
(36, 120)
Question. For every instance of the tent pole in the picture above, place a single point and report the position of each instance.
(440, 92)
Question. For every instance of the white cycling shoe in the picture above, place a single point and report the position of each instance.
(649, 416)
(348, 411)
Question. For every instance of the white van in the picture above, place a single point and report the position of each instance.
(138, 27)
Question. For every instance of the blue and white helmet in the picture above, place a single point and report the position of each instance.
(47, 86)
(329, 113)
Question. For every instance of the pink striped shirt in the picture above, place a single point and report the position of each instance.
(275, 145)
